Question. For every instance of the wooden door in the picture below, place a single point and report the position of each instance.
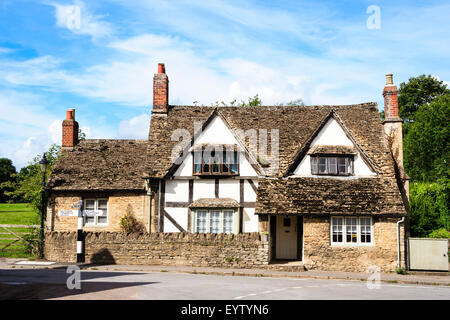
(286, 238)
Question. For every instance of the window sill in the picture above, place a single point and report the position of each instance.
(352, 245)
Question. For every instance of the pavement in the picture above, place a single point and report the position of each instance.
(412, 277)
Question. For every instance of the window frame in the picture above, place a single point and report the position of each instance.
(211, 163)
(234, 221)
(96, 207)
(315, 164)
(344, 242)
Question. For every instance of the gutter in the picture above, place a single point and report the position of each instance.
(398, 240)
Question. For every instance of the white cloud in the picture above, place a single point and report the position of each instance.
(135, 128)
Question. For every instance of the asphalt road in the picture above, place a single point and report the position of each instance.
(99, 285)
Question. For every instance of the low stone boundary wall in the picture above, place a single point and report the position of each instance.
(189, 249)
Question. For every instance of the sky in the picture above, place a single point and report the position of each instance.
(99, 57)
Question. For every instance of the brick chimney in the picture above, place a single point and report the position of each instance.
(160, 90)
(390, 99)
(392, 122)
(69, 130)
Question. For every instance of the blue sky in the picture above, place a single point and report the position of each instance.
(99, 57)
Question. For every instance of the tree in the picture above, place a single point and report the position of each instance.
(416, 92)
(28, 185)
(426, 145)
(7, 172)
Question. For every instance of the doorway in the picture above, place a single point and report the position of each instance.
(287, 237)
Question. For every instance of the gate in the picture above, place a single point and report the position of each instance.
(17, 237)
(428, 254)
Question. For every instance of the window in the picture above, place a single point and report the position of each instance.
(219, 161)
(351, 230)
(96, 204)
(332, 165)
(214, 221)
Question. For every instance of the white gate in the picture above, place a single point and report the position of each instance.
(428, 254)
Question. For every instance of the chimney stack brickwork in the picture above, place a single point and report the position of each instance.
(160, 90)
(390, 94)
(69, 130)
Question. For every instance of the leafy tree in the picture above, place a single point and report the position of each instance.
(426, 145)
(416, 92)
(7, 172)
(28, 185)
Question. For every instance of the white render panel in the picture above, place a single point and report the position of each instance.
(229, 188)
(177, 191)
(185, 169)
(249, 220)
(249, 193)
(181, 217)
(204, 188)
(216, 132)
(333, 135)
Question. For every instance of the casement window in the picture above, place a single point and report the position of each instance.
(332, 165)
(215, 162)
(351, 230)
(215, 221)
(96, 204)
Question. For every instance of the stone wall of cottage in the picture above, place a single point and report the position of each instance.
(189, 249)
(319, 254)
(118, 205)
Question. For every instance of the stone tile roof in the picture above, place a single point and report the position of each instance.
(332, 150)
(295, 125)
(215, 203)
(325, 196)
(101, 165)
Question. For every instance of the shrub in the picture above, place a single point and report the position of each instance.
(440, 233)
(129, 224)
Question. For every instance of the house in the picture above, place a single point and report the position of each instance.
(323, 185)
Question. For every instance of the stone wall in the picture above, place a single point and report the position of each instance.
(190, 249)
(319, 254)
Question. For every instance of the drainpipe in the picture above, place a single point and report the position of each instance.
(398, 239)
(150, 195)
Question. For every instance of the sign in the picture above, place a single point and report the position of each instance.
(74, 213)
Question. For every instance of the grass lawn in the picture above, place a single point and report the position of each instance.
(17, 213)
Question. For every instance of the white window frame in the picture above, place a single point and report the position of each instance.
(96, 223)
(358, 243)
(235, 217)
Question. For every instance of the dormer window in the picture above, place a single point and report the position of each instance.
(333, 160)
(215, 160)
(339, 165)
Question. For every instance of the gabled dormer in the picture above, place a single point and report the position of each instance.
(332, 152)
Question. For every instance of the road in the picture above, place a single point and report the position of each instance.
(99, 285)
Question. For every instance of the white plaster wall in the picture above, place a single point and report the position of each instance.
(249, 193)
(177, 190)
(181, 217)
(249, 220)
(204, 188)
(229, 188)
(333, 135)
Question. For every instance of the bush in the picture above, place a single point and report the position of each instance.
(129, 224)
(440, 233)
(429, 207)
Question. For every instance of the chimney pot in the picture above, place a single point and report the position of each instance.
(161, 68)
(389, 79)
